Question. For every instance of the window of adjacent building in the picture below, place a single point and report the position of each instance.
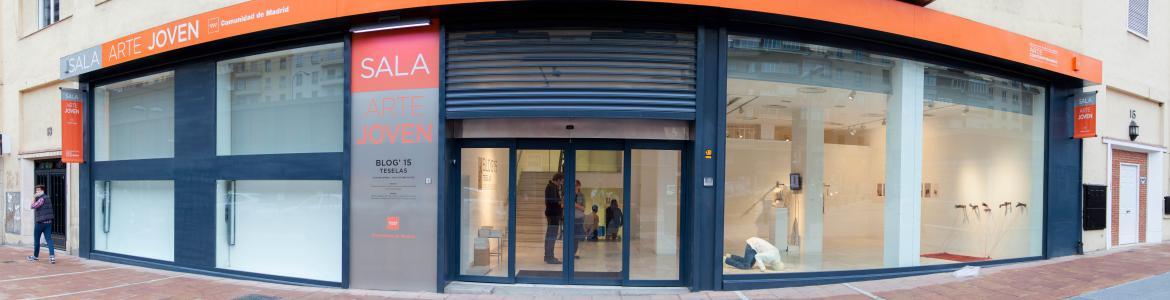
(1139, 21)
(861, 161)
(135, 119)
(34, 15)
(254, 118)
(49, 12)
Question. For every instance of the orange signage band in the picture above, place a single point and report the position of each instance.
(882, 15)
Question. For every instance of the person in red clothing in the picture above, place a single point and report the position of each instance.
(43, 210)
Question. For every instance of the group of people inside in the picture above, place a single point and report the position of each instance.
(585, 226)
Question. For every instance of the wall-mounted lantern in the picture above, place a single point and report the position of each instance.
(1133, 126)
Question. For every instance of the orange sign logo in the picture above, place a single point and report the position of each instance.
(1085, 116)
(392, 223)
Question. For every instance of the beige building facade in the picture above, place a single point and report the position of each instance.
(1135, 87)
(34, 35)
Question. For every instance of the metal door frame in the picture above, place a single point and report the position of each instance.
(61, 207)
(569, 148)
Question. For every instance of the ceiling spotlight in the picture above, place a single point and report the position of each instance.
(852, 94)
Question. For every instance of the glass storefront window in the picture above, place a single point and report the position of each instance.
(265, 105)
(483, 244)
(135, 218)
(982, 167)
(810, 185)
(815, 113)
(280, 227)
(135, 119)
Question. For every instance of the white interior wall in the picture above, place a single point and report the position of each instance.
(983, 158)
(852, 208)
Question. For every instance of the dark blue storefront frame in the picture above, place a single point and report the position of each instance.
(703, 240)
(195, 168)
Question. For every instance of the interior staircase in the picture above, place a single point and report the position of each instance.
(530, 220)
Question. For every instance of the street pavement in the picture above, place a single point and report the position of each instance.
(1138, 272)
(1157, 287)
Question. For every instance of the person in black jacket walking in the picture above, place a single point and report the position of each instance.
(43, 210)
(553, 203)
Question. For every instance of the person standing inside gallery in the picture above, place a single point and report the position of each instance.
(43, 212)
(553, 213)
(613, 219)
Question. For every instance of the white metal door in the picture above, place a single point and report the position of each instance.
(1127, 209)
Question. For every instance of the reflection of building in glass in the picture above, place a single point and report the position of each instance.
(287, 77)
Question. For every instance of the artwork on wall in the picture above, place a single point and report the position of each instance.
(487, 173)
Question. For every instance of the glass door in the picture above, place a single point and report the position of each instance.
(597, 210)
(570, 212)
(540, 213)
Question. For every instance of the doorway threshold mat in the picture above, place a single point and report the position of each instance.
(552, 290)
(579, 274)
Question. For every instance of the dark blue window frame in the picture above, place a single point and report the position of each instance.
(195, 167)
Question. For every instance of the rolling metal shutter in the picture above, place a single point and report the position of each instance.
(571, 72)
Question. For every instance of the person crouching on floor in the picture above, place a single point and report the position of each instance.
(757, 253)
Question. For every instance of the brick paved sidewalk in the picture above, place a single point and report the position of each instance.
(73, 278)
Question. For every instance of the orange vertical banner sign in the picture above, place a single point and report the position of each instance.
(1085, 115)
(72, 144)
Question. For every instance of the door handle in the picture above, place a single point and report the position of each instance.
(107, 206)
(229, 213)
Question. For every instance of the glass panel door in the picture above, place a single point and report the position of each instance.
(597, 213)
(559, 212)
(135, 218)
(483, 193)
(539, 214)
(655, 214)
(280, 227)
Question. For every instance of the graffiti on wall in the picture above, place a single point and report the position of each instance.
(12, 212)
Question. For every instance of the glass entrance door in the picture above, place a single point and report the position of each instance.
(599, 185)
(540, 197)
(560, 212)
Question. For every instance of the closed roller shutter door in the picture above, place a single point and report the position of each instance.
(571, 72)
